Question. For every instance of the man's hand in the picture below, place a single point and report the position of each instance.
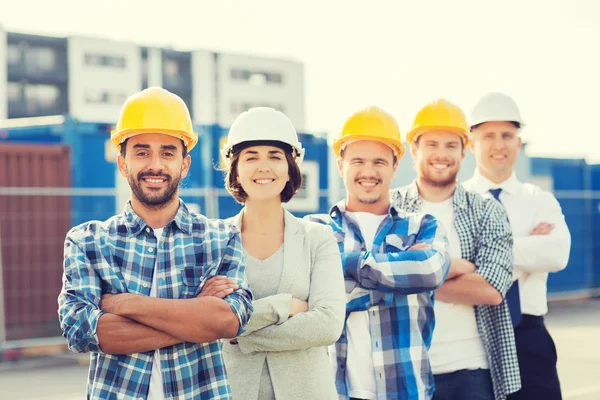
(111, 303)
(218, 286)
(543, 228)
(460, 266)
(420, 246)
(298, 306)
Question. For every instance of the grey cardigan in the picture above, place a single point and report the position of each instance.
(294, 348)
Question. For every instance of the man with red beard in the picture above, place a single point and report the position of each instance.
(473, 352)
(149, 293)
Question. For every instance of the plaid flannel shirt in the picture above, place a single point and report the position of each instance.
(398, 284)
(485, 240)
(119, 256)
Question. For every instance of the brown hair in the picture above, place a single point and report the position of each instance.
(291, 187)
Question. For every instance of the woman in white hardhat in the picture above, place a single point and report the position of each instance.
(293, 267)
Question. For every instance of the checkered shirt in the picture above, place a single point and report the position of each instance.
(117, 256)
(486, 240)
(395, 286)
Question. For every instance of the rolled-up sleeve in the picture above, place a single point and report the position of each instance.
(234, 267)
(79, 299)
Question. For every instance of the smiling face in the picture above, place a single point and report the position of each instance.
(496, 146)
(438, 155)
(262, 172)
(154, 165)
(367, 168)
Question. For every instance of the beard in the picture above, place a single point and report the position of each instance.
(439, 182)
(369, 200)
(154, 199)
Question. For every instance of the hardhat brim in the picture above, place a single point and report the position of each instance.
(412, 135)
(337, 146)
(188, 139)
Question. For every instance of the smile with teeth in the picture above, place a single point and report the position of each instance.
(498, 157)
(368, 183)
(263, 181)
(440, 166)
(154, 180)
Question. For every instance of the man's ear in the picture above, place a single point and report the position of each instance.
(122, 166)
(185, 166)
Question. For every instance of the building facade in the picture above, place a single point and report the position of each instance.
(90, 78)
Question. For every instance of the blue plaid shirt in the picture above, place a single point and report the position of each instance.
(398, 284)
(485, 240)
(111, 257)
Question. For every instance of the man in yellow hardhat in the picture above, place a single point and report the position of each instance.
(392, 262)
(151, 291)
(473, 352)
(542, 238)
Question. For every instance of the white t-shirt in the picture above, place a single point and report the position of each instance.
(155, 392)
(456, 344)
(360, 376)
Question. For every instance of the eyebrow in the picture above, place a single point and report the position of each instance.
(270, 152)
(147, 146)
(363, 159)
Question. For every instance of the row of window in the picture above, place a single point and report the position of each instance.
(25, 99)
(39, 59)
(257, 78)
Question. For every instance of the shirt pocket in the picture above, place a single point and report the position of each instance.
(194, 277)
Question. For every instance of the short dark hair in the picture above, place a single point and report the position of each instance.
(515, 123)
(291, 187)
(124, 148)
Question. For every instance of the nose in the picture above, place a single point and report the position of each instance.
(498, 143)
(264, 166)
(155, 163)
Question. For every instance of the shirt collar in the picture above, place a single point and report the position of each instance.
(340, 208)
(481, 184)
(413, 198)
(134, 224)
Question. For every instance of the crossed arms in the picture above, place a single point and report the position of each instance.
(128, 323)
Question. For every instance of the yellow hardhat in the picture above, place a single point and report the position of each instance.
(439, 115)
(154, 110)
(372, 123)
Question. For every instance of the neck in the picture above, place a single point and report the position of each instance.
(435, 194)
(379, 208)
(499, 178)
(263, 217)
(157, 217)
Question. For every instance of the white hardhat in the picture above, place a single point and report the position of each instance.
(262, 125)
(495, 107)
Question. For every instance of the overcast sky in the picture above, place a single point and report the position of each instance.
(398, 55)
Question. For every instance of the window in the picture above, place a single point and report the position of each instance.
(96, 96)
(257, 78)
(14, 93)
(40, 59)
(13, 54)
(99, 60)
(41, 99)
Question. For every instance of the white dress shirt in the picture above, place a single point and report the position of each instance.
(534, 255)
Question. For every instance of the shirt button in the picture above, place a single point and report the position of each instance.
(150, 249)
(148, 230)
(146, 285)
